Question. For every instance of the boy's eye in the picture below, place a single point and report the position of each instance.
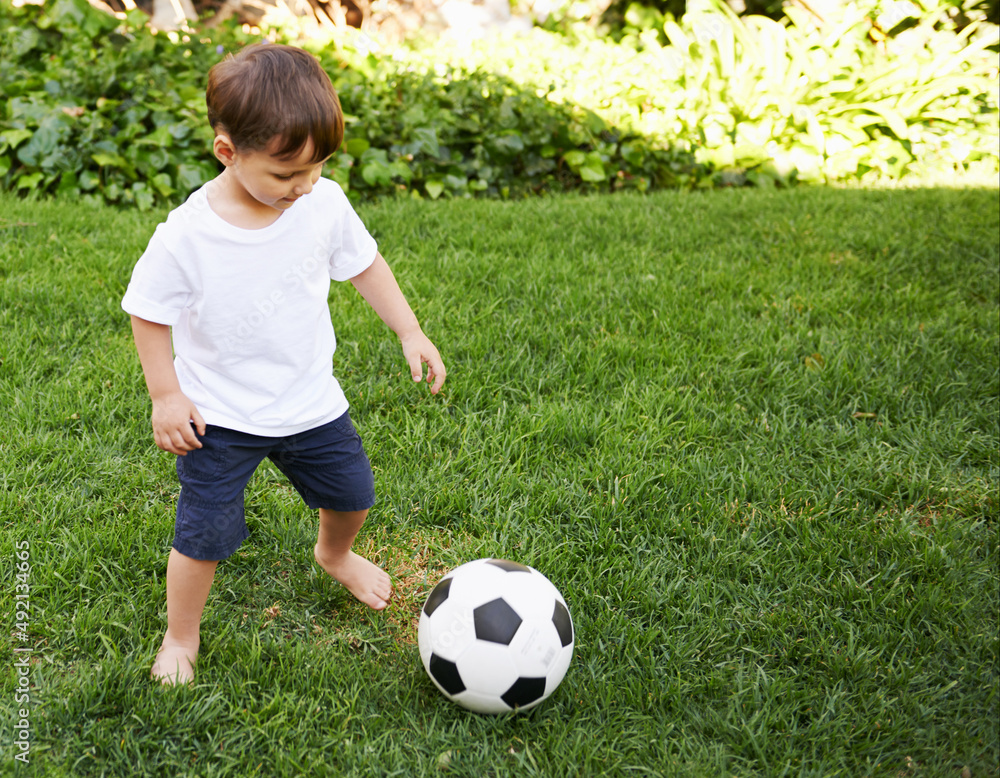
(284, 178)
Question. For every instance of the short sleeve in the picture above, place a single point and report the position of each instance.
(159, 289)
(357, 248)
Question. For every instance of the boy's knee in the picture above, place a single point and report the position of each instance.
(344, 516)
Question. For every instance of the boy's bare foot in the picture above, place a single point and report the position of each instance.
(174, 665)
(365, 580)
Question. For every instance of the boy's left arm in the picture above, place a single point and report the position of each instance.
(378, 286)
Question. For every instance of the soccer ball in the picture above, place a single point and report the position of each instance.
(495, 636)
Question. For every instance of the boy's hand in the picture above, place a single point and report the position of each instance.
(173, 416)
(418, 351)
(378, 286)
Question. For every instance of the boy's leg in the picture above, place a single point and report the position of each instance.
(365, 580)
(188, 583)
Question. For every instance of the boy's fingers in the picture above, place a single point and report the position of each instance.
(199, 423)
(184, 440)
(436, 373)
(417, 357)
(167, 444)
(178, 441)
(416, 368)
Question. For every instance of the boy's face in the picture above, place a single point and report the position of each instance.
(269, 180)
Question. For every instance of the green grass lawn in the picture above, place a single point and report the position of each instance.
(752, 437)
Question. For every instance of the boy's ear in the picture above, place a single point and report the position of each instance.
(224, 149)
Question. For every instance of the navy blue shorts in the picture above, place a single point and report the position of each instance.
(327, 465)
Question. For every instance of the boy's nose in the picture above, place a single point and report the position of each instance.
(303, 187)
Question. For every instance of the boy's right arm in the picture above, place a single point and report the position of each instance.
(173, 412)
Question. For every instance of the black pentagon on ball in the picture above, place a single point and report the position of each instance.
(564, 624)
(437, 596)
(446, 674)
(496, 622)
(524, 692)
(510, 567)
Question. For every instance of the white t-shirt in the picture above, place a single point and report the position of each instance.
(252, 336)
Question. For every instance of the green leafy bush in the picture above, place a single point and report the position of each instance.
(445, 130)
(827, 104)
(766, 102)
(106, 110)
(95, 107)
(103, 109)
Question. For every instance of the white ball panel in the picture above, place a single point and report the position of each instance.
(535, 647)
(476, 583)
(481, 703)
(530, 595)
(424, 638)
(487, 668)
(451, 630)
(557, 671)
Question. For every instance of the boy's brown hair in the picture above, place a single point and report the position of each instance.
(268, 91)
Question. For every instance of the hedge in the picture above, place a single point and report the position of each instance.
(101, 108)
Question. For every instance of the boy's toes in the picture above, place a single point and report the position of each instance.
(378, 598)
(384, 588)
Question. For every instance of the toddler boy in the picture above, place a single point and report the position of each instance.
(240, 273)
